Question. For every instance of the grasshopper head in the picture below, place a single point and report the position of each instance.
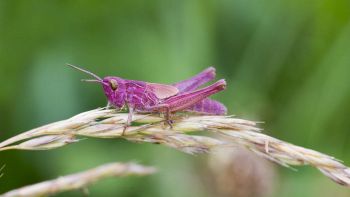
(114, 89)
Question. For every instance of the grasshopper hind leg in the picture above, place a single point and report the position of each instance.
(163, 109)
(194, 82)
(167, 118)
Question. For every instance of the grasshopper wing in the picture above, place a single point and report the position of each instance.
(162, 91)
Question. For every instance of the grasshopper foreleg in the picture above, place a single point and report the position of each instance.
(129, 120)
(109, 105)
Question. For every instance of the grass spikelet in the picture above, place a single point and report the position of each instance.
(105, 123)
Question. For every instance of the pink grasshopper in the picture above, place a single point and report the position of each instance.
(140, 96)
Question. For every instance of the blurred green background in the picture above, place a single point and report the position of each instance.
(287, 63)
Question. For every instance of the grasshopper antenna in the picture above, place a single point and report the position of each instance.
(91, 80)
(87, 72)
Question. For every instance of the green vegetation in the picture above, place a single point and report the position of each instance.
(287, 63)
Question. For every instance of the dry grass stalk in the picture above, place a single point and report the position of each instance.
(80, 180)
(102, 123)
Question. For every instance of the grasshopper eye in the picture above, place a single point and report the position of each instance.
(114, 84)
